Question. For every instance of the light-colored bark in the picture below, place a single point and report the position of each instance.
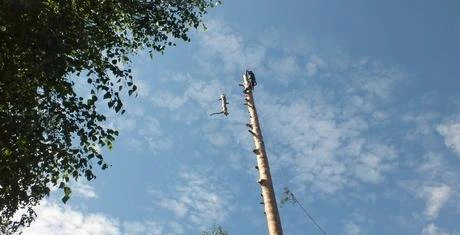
(265, 180)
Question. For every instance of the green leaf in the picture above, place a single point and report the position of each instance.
(118, 107)
(6, 152)
(65, 199)
(109, 144)
(67, 192)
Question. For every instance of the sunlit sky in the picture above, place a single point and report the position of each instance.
(360, 110)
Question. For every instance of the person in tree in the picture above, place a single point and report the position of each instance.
(251, 81)
(252, 78)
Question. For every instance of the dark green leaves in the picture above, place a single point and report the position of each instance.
(118, 106)
(134, 88)
(67, 192)
(49, 133)
(104, 166)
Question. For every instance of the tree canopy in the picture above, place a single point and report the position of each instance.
(215, 230)
(48, 133)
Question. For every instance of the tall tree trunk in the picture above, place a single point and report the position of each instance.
(265, 180)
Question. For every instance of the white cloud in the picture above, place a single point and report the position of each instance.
(352, 228)
(314, 64)
(79, 188)
(373, 162)
(451, 134)
(193, 99)
(83, 190)
(175, 77)
(436, 182)
(143, 228)
(152, 127)
(166, 99)
(178, 207)
(436, 197)
(150, 134)
(59, 220)
(322, 151)
(374, 79)
(322, 134)
(422, 126)
(196, 198)
(221, 43)
(432, 229)
(323, 142)
(219, 138)
(357, 223)
(143, 88)
(205, 93)
(176, 228)
(284, 67)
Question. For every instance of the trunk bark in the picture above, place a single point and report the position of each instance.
(265, 180)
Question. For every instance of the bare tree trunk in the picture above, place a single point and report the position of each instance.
(265, 180)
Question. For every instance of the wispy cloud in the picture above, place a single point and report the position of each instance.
(322, 147)
(144, 130)
(329, 122)
(432, 229)
(352, 228)
(144, 227)
(314, 64)
(230, 49)
(436, 182)
(321, 130)
(285, 67)
(195, 198)
(451, 134)
(357, 223)
(166, 99)
(436, 197)
(84, 190)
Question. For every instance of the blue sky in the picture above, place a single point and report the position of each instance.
(359, 108)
